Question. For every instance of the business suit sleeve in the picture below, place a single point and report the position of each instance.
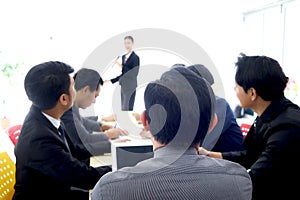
(135, 66)
(91, 125)
(241, 157)
(231, 137)
(49, 157)
(279, 147)
(136, 62)
(113, 80)
(94, 144)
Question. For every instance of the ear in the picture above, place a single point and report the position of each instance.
(252, 93)
(145, 121)
(86, 89)
(64, 99)
(213, 123)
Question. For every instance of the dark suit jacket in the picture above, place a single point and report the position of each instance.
(45, 168)
(92, 143)
(227, 135)
(272, 152)
(130, 70)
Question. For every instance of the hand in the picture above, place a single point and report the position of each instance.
(112, 117)
(117, 62)
(203, 151)
(137, 117)
(107, 81)
(122, 140)
(145, 134)
(115, 132)
(105, 127)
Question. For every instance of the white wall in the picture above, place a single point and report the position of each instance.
(274, 32)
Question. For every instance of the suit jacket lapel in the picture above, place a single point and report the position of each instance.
(129, 59)
(37, 113)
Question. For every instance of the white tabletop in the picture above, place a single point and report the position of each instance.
(134, 141)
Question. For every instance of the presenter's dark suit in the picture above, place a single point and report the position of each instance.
(128, 80)
(272, 150)
(46, 168)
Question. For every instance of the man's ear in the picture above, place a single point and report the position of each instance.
(252, 93)
(86, 89)
(213, 123)
(64, 99)
(145, 121)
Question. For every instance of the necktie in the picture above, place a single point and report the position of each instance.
(63, 137)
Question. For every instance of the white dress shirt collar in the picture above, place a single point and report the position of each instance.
(55, 122)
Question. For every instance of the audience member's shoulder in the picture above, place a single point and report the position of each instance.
(227, 167)
(128, 173)
(114, 177)
(220, 100)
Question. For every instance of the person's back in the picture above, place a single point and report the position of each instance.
(227, 135)
(192, 176)
(231, 137)
(178, 129)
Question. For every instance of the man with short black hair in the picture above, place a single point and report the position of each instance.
(88, 84)
(179, 112)
(47, 165)
(272, 143)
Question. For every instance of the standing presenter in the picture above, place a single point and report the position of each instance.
(128, 79)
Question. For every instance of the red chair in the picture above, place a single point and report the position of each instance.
(13, 133)
(245, 128)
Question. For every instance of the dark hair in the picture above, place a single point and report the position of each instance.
(178, 65)
(164, 92)
(129, 37)
(87, 77)
(202, 71)
(46, 82)
(262, 73)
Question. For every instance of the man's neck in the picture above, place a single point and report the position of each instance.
(53, 113)
(156, 144)
(261, 106)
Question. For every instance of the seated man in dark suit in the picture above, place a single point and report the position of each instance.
(87, 85)
(179, 113)
(272, 143)
(227, 135)
(47, 163)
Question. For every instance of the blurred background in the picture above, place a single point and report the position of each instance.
(32, 32)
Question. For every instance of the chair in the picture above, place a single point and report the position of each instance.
(245, 128)
(13, 133)
(7, 176)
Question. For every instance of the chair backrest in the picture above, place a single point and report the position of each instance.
(13, 133)
(245, 128)
(7, 176)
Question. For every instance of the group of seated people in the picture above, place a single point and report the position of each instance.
(199, 150)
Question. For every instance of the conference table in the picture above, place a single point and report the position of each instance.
(125, 154)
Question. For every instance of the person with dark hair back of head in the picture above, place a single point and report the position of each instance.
(180, 111)
(227, 135)
(88, 84)
(48, 165)
(272, 143)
